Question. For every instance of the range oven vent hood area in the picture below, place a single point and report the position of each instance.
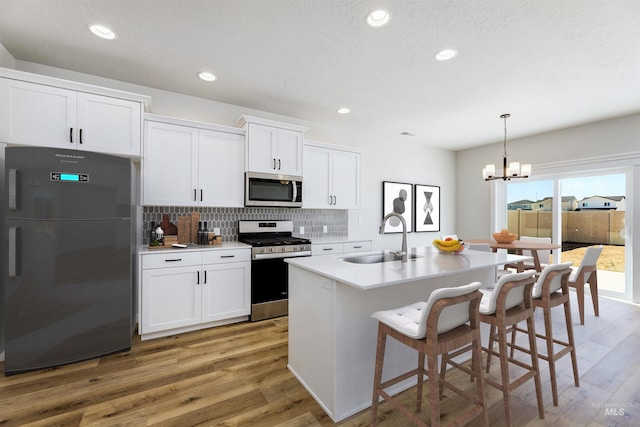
(272, 190)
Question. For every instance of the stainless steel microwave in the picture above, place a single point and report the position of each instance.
(265, 189)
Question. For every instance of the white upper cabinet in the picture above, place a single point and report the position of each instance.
(191, 166)
(109, 125)
(169, 165)
(331, 177)
(273, 147)
(221, 168)
(42, 115)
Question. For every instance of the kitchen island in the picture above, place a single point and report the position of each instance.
(332, 338)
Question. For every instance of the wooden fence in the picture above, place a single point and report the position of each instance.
(588, 226)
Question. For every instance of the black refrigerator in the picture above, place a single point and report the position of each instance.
(67, 256)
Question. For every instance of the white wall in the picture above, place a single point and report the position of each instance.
(397, 160)
(6, 59)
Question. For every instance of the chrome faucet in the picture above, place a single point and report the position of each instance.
(403, 251)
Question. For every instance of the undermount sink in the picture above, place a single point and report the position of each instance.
(376, 258)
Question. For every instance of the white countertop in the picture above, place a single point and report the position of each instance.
(192, 247)
(429, 264)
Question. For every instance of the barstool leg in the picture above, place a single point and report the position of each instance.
(531, 331)
(377, 377)
(492, 333)
(476, 360)
(551, 358)
(572, 342)
(504, 372)
(420, 381)
(434, 389)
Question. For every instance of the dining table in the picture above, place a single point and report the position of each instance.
(518, 246)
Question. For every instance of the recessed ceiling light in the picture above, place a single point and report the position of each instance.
(102, 31)
(343, 110)
(378, 18)
(206, 76)
(446, 54)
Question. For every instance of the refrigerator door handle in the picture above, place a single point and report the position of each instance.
(13, 190)
(13, 253)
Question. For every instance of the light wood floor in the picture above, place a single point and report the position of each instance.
(237, 376)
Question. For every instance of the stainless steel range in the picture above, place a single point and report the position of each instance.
(272, 242)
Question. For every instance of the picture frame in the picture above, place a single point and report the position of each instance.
(397, 197)
(426, 208)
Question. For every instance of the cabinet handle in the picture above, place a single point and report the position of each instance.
(173, 260)
(205, 277)
(201, 194)
(274, 164)
(71, 135)
(327, 249)
(357, 247)
(80, 135)
(198, 280)
(279, 164)
(227, 256)
(195, 195)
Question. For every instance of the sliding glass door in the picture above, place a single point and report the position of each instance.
(579, 210)
(597, 217)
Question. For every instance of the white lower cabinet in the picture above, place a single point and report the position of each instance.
(181, 292)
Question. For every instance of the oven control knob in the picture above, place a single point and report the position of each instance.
(270, 249)
(284, 249)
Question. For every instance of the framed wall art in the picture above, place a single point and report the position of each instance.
(397, 197)
(427, 208)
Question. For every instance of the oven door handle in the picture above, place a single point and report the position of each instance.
(281, 255)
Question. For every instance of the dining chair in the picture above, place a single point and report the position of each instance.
(552, 290)
(544, 255)
(587, 272)
(448, 322)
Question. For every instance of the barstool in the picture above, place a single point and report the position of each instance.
(551, 290)
(503, 308)
(448, 321)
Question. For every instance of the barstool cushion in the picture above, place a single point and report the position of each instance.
(411, 320)
(488, 303)
(557, 281)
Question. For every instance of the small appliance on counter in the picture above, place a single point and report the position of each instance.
(271, 242)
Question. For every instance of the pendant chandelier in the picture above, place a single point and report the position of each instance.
(514, 170)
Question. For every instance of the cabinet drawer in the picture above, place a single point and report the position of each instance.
(226, 255)
(173, 259)
(357, 246)
(327, 248)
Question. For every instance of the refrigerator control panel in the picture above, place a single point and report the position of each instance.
(73, 177)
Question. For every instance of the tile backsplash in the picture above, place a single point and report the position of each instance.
(226, 219)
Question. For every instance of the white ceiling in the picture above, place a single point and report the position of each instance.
(551, 64)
